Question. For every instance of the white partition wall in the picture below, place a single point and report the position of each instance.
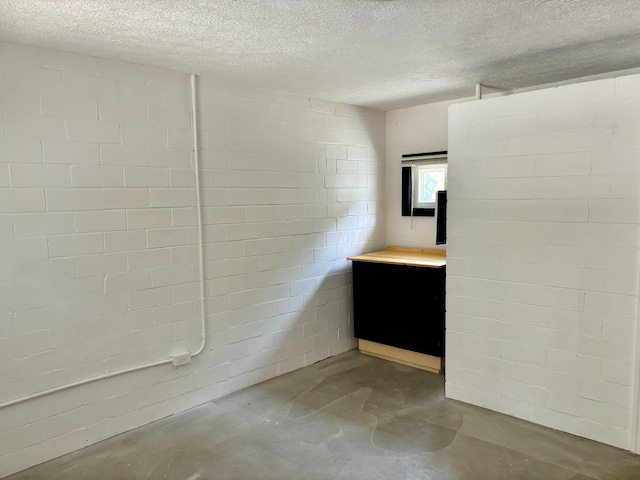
(542, 256)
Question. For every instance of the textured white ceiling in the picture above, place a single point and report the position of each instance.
(379, 53)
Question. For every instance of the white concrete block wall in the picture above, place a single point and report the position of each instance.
(98, 257)
(282, 215)
(542, 255)
(424, 128)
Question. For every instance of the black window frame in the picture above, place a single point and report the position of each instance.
(407, 187)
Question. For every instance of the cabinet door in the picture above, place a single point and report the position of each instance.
(400, 306)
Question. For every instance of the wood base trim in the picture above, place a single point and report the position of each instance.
(399, 355)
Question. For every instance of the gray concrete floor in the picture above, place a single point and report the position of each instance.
(348, 417)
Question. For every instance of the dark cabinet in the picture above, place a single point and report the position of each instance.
(400, 305)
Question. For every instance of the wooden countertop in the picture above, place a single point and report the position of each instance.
(415, 257)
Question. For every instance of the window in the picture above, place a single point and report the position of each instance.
(422, 179)
(429, 179)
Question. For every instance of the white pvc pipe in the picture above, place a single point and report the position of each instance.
(478, 91)
(201, 261)
(81, 382)
(196, 162)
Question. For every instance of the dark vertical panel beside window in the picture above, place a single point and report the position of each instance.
(441, 218)
(406, 191)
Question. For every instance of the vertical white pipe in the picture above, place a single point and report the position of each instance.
(196, 166)
(478, 91)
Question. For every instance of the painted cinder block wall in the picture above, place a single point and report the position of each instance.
(98, 257)
(542, 255)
